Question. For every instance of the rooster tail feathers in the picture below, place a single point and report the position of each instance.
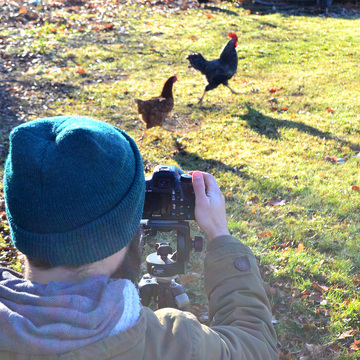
(197, 61)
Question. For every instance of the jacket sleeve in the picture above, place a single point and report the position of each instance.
(241, 321)
(240, 317)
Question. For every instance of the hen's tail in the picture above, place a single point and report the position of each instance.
(197, 61)
(140, 105)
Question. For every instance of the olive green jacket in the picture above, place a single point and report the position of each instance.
(240, 319)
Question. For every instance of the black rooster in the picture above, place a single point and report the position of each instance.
(217, 71)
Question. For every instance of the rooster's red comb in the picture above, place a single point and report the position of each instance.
(175, 76)
(233, 36)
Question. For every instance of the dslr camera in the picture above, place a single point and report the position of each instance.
(169, 205)
(169, 195)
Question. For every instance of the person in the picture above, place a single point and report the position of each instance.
(74, 191)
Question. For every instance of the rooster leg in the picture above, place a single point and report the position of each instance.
(201, 99)
(233, 91)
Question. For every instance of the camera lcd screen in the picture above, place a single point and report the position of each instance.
(157, 205)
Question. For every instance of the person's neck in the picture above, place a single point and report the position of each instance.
(106, 266)
(59, 273)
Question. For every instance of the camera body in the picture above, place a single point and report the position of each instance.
(169, 195)
(169, 205)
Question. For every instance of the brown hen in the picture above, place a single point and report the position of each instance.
(154, 111)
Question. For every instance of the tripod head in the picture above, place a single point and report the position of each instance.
(164, 265)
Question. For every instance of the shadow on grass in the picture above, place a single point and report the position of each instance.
(307, 8)
(190, 161)
(17, 104)
(217, 9)
(8, 119)
(269, 127)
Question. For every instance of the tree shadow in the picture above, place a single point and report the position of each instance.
(309, 8)
(269, 127)
(8, 119)
(16, 108)
(220, 10)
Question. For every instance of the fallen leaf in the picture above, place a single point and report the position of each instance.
(264, 234)
(284, 356)
(316, 298)
(300, 247)
(348, 333)
(270, 291)
(314, 349)
(332, 159)
(355, 188)
(321, 288)
(277, 202)
(330, 110)
(23, 10)
(108, 26)
(188, 278)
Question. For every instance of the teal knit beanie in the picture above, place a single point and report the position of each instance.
(74, 189)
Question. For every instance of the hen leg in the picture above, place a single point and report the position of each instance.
(141, 138)
(233, 91)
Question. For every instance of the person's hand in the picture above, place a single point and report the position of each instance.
(209, 205)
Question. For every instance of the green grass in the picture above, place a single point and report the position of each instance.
(298, 76)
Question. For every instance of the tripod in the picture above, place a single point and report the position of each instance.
(164, 265)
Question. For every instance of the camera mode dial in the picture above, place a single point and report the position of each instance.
(186, 178)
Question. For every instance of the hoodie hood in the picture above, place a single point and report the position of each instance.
(54, 318)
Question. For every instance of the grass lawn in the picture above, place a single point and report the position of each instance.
(286, 152)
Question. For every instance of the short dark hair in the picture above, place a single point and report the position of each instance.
(38, 264)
